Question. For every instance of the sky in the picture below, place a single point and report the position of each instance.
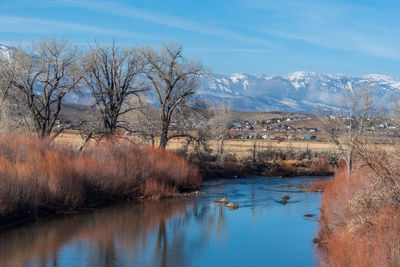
(237, 36)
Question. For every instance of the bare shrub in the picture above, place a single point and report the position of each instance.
(35, 175)
(281, 155)
(320, 166)
(318, 186)
(219, 124)
(359, 218)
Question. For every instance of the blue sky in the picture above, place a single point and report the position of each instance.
(251, 36)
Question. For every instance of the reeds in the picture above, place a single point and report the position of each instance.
(360, 219)
(318, 186)
(36, 176)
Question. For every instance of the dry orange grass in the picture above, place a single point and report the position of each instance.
(318, 186)
(35, 175)
(359, 223)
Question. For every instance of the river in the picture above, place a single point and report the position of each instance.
(178, 232)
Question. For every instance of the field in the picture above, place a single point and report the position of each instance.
(239, 147)
(243, 148)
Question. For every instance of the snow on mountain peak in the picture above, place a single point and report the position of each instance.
(377, 77)
(298, 91)
(4, 47)
(299, 75)
(299, 79)
(237, 76)
(5, 52)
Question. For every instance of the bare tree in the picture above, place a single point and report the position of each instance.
(257, 120)
(13, 118)
(43, 73)
(173, 79)
(190, 122)
(143, 121)
(111, 75)
(198, 141)
(219, 125)
(346, 128)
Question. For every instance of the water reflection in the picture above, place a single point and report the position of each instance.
(191, 232)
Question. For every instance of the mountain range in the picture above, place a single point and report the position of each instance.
(298, 91)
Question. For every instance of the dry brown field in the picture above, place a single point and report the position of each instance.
(243, 148)
(238, 147)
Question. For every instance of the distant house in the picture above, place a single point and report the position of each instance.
(237, 124)
(310, 137)
(267, 136)
(278, 137)
(311, 130)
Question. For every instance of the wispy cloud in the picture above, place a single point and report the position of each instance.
(160, 18)
(239, 50)
(339, 25)
(13, 24)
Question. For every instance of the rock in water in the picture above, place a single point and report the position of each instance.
(232, 205)
(222, 200)
(284, 199)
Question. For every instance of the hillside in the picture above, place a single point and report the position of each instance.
(297, 92)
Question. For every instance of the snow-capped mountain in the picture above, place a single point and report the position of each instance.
(5, 52)
(298, 91)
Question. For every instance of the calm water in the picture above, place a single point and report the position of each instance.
(181, 232)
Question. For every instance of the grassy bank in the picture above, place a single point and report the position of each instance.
(39, 178)
(360, 216)
(268, 163)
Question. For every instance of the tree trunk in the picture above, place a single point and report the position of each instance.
(164, 138)
(220, 147)
(254, 148)
(349, 167)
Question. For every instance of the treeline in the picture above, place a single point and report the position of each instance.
(36, 79)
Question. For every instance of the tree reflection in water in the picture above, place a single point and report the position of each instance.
(115, 236)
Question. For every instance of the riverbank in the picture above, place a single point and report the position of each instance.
(359, 223)
(41, 179)
(271, 163)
